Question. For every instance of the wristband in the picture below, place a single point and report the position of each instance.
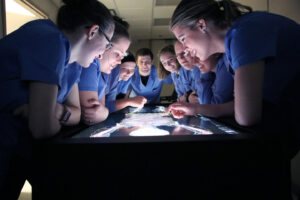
(66, 115)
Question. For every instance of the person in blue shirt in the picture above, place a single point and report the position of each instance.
(145, 81)
(39, 68)
(262, 49)
(185, 59)
(119, 81)
(216, 83)
(169, 65)
(95, 79)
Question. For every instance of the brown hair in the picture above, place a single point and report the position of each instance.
(162, 72)
(75, 13)
(222, 13)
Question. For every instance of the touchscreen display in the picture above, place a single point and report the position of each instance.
(153, 121)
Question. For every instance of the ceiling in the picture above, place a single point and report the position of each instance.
(149, 19)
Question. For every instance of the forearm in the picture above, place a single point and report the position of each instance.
(216, 110)
(46, 127)
(122, 103)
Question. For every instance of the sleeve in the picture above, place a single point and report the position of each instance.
(187, 79)
(177, 82)
(89, 78)
(251, 44)
(222, 89)
(44, 60)
(204, 88)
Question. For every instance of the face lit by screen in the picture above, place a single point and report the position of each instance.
(113, 56)
(126, 70)
(168, 60)
(144, 64)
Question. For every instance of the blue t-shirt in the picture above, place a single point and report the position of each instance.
(153, 88)
(92, 79)
(273, 38)
(37, 51)
(276, 40)
(114, 88)
(183, 81)
(216, 88)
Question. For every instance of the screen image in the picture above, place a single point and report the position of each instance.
(153, 121)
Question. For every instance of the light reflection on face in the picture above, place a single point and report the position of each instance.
(93, 48)
(168, 61)
(113, 56)
(193, 40)
(126, 70)
(144, 64)
(183, 57)
(209, 64)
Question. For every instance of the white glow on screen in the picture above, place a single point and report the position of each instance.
(149, 131)
(13, 7)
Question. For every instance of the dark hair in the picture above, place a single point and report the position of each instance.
(222, 13)
(121, 21)
(128, 58)
(162, 72)
(120, 30)
(144, 52)
(77, 13)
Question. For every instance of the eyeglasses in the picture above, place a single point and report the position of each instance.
(109, 45)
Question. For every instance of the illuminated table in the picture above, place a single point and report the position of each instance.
(193, 158)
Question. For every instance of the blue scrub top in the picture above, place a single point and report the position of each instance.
(114, 88)
(216, 88)
(92, 79)
(184, 81)
(276, 40)
(37, 51)
(153, 88)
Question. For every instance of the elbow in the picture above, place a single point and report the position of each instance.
(247, 120)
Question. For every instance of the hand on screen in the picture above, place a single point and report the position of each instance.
(138, 101)
(180, 109)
